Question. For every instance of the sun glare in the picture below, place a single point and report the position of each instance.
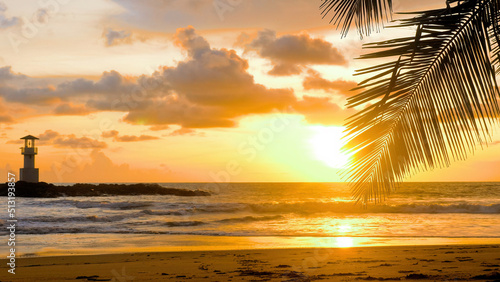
(326, 145)
(344, 242)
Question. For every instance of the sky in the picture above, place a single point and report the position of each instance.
(186, 90)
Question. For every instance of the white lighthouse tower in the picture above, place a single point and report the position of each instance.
(29, 173)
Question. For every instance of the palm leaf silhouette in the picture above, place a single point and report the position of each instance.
(436, 102)
(366, 14)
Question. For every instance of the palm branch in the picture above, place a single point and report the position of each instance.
(367, 15)
(434, 103)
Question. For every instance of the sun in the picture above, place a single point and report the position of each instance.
(326, 145)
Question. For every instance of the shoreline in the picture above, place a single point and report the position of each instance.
(434, 262)
(100, 244)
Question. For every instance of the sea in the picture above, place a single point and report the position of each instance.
(256, 215)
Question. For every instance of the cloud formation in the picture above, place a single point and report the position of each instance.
(6, 73)
(342, 87)
(5, 21)
(6, 119)
(210, 88)
(111, 86)
(185, 131)
(53, 138)
(71, 110)
(289, 54)
(115, 37)
(127, 138)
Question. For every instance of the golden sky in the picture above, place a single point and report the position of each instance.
(185, 90)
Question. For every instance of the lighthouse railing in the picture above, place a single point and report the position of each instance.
(27, 150)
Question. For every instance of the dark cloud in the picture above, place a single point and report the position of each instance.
(33, 96)
(6, 119)
(48, 135)
(290, 53)
(127, 138)
(70, 109)
(5, 21)
(315, 81)
(116, 37)
(6, 73)
(111, 86)
(53, 138)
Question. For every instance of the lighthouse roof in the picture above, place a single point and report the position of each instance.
(29, 137)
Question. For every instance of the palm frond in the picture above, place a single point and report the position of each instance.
(435, 103)
(495, 35)
(368, 15)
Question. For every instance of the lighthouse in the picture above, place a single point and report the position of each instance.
(29, 173)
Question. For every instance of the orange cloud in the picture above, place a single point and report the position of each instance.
(290, 53)
(6, 119)
(211, 88)
(127, 138)
(342, 87)
(50, 137)
(185, 131)
(159, 127)
(70, 109)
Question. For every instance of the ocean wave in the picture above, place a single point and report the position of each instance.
(183, 223)
(250, 219)
(167, 212)
(300, 208)
(439, 208)
(86, 204)
(317, 207)
(220, 208)
(107, 230)
(349, 207)
(39, 230)
(89, 218)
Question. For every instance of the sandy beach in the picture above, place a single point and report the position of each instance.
(439, 263)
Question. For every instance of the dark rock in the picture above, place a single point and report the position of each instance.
(494, 275)
(417, 276)
(255, 273)
(87, 277)
(47, 190)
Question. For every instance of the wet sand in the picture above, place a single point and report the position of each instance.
(435, 263)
